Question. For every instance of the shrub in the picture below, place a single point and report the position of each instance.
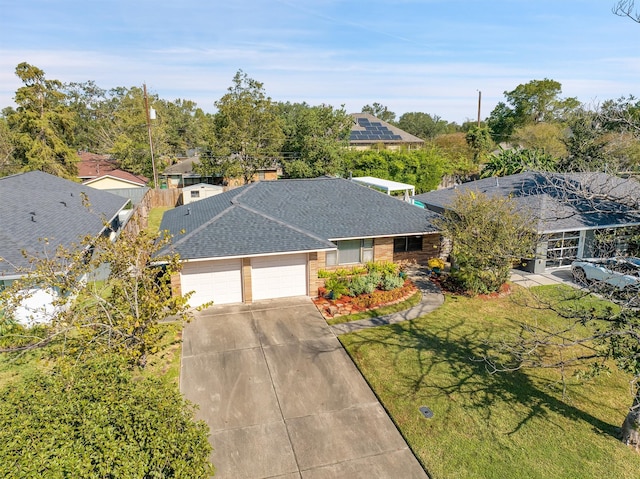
(337, 286)
(96, 420)
(434, 263)
(364, 284)
(391, 281)
(383, 267)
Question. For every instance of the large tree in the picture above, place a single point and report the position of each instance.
(529, 103)
(42, 125)
(248, 131)
(315, 139)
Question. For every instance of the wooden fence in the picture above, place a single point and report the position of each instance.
(153, 199)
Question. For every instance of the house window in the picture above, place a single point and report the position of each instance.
(404, 244)
(351, 252)
(195, 194)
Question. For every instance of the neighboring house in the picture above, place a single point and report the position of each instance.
(101, 172)
(269, 239)
(369, 132)
(577, 214)
(35, 206)
(199, 191)
(183, 173)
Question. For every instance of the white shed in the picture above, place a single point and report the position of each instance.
(199, 191)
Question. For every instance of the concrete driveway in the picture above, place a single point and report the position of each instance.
(284, 400)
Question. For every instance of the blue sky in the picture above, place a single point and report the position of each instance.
(431, 56)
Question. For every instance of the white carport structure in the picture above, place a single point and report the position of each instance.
(387, 186)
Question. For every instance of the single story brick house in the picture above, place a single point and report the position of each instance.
(577, 215)
(269, 239)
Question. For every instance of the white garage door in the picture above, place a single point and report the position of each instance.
(218, 281)
(279, 276)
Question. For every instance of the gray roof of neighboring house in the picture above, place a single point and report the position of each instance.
(559, 201)
(289, 215)
(38, 205)
(367, 129)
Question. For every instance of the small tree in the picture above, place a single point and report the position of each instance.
(489, 233)
(119, 314)
(97, 419)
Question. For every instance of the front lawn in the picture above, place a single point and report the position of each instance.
(508, 425)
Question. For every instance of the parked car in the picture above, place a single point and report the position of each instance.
(618, 273)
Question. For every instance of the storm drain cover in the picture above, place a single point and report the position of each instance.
(426, 412)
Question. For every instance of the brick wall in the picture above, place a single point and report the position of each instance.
(247, 295)
(430, 249)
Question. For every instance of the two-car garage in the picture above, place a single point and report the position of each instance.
(221, 281)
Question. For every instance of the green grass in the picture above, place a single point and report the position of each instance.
(155, 218)
(383, 311)
(506, 425)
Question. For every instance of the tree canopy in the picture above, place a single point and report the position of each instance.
(42, 125)
(97, 419)
(488, 234)
(248, 131)
(530, 103)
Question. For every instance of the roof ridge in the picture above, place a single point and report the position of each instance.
(280, 222)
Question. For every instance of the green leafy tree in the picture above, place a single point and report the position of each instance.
(458, 154)
(424, 125)
(380, 111)
(517, 160)
(97, 419)
(120, 314)
(422, 168)
(315, 139)
(533, 102)
(8, 164)
(479, 139)
(130, 135)
(488, 234)
(248, 131)
(42, 125)
(547, 137)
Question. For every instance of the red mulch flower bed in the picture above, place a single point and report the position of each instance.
(331, 308)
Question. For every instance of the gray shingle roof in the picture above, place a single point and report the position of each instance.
(289, 215)
(560, 202)
(37, 205)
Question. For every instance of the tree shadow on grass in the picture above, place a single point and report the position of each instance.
(437, 360)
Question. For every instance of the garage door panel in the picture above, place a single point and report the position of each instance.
(217, 281)
(279, 276)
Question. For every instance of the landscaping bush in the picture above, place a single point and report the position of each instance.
(383, 267)
(337, 286)
(364, 284)
(391, 281)
(98, 420)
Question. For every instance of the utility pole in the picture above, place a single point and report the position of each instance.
(153, 161)
(479, 104)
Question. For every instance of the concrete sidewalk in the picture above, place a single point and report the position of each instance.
(284, 400)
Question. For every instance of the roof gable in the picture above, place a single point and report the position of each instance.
(37, 205)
